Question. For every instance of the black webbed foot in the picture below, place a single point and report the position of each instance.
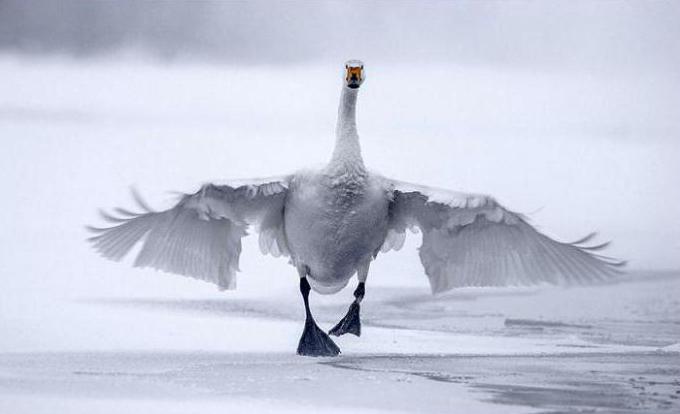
(315, 342)
(351, 323)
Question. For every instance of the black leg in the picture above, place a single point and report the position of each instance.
(314, 341)
(360, 291)
(351, 323)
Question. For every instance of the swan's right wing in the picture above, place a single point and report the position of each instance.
(201, 235)
(471, 240)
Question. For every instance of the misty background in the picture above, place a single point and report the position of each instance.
(612, 36)
(565, 111)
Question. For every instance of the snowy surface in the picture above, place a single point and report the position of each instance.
(611, 347)
(80, 334)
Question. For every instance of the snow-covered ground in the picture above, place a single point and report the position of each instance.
(611, 348)
(80, 334)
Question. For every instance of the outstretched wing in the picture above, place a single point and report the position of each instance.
(201, 235)
(471, 240)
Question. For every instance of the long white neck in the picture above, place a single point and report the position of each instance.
(346, 157)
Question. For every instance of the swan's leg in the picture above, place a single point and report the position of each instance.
(351, 323)
(314, 341)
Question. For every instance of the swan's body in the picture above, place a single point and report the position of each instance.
(326, 221)
(333, 222)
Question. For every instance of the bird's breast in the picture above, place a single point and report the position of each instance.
(332, 229)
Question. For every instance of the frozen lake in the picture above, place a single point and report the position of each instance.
(610, 348)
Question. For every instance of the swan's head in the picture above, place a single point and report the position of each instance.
(354, 73)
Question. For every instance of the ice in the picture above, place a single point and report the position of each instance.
(237, 352)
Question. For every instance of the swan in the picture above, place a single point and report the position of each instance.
(332, 223)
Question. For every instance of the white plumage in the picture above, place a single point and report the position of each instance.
(334, 221)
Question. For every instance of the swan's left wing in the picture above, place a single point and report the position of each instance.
(471, 240)
(200, 236)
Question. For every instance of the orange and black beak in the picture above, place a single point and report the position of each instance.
(354, 76)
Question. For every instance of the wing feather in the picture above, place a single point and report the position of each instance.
(200, 236)
(471, 240)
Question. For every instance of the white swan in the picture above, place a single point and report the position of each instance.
(333, 222)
